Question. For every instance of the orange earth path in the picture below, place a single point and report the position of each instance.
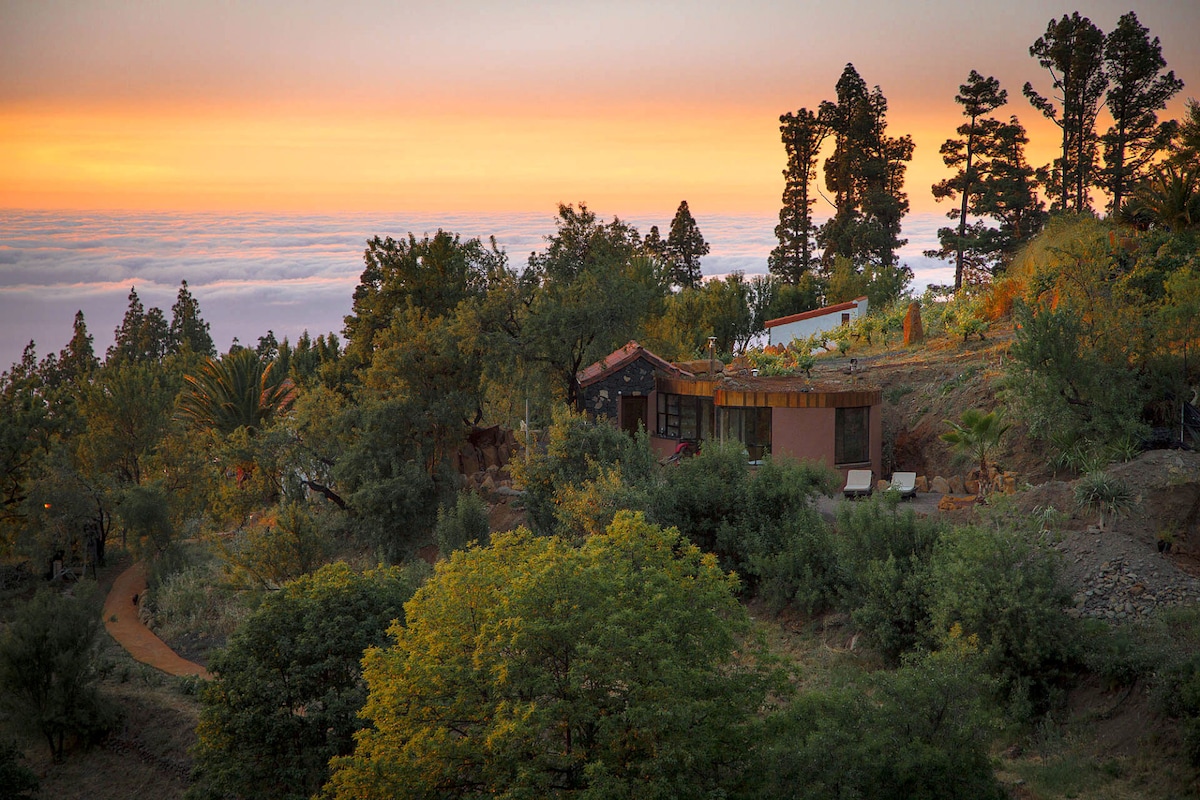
(121, 620)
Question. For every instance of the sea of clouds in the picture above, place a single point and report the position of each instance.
(254, 272)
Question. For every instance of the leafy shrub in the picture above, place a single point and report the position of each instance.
(996, 586)
(279, 546)
(19, 782)
(883, 556)
(921, 731)
(578, 450)
(49, 659)
(463, 525)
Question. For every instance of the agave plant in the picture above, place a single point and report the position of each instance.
(1103, 493)
(236, 391)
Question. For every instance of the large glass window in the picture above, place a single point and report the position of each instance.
(684, 417)
(751, 427)
(852, 435)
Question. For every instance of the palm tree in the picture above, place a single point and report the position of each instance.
(976, 435)
(1169, 198)
(239, 390)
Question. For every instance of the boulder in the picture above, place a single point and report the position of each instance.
(939, 485)
(922, 484)
(952, 503)
(971, 486)
(956, 485)
(491, 457)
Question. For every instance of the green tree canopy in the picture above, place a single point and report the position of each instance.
(534, 669)
(287, 689)
(48, 669)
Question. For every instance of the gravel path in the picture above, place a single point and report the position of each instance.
(122, 622)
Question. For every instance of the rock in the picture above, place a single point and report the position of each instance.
(914, 332)
(491, 457)
(488, 484)
(922, 484)
(881, 485)
(939, 485)
(956, 485)
(952, 503)
(971, 486)
(1010, 482)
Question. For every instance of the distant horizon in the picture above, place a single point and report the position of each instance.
(252, 271)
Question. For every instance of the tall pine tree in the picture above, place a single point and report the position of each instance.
(685, 247)
(993, 180)
(1072, 50)
(803, 133)
(979, 97)
(1138, 90)
(187, 328)
(143, 335)
(865, 175)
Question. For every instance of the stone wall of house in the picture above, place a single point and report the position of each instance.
(636, 378)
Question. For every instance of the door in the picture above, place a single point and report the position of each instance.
(634, 411)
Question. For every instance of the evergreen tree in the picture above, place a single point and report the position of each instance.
(1072, 50)
(865, 175)
(1139, 89)
(803, 133)
(685, 247)
(993, 180)
(1009, 192)
(979, 97)
(187, 328)
(654, 244)
(78, 358)
(142, 336)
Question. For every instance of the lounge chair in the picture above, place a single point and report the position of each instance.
(905, 483)
(859, 483)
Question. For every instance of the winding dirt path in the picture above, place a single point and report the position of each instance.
(121, 621)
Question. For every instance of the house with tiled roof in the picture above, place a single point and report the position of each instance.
(838, 423)
(785, 330)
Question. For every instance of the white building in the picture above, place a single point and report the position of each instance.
(785, 330)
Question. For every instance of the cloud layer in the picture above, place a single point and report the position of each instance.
(254, 272)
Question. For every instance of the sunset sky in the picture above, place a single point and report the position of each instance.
(488, 106)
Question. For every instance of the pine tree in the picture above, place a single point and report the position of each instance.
(979, 97)
(654, 244)
(1139, 89)
(142, 336)
(802, 133)
(685, 247)
(187, 328)
(78, 358)
(1072, 50)
(865, 175)
(993, 180)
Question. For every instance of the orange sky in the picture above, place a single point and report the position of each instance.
(366, 106)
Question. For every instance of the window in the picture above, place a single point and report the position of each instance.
(684, 417)
(751, 427)
(852, 435)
